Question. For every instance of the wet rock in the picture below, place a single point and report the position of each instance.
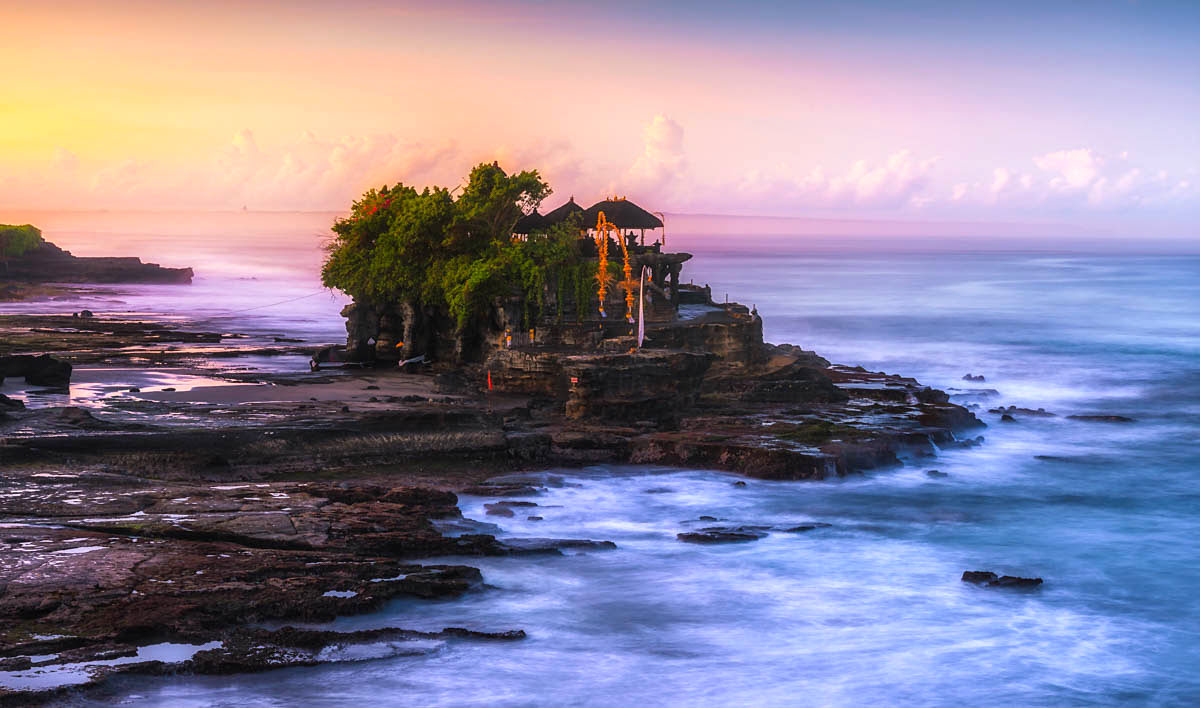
(533, 546)
(794, 383)
(510, 503)
(73, 415)
(1014, 410)
(441, 581)
(10, 403)
(978, 576)
(973, 393)
(936, 473)
(533, 518)
(1102, 418)
(724, 534)
(659, 490)
(739, 483)
(1007, 418)
(977, 378)
(459, 527)
(489, 489)
(801, 528)
(1012, 581)
(647, 385)
(453, 383)
(15, 663)
(528, 446)
(500, 511)
(964, 443)
(709, 518)
(252, 649)
(992, 580)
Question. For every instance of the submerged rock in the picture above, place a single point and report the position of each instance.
(978, 576)
(1012, 581)
(529, 546)
(991, 580)
(807, 527)
(1102, 418)
(724, 534)
(1011, 410)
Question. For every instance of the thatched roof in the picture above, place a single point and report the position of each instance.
(530, 223)
(562, 213)
(623, 214)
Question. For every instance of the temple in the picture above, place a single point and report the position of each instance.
(642, 321)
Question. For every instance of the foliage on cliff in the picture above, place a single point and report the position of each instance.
(16, 241)
(428, 247)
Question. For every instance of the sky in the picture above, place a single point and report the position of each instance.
(1075, 112)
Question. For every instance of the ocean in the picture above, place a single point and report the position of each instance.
(869, 610)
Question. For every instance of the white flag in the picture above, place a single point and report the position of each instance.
(642, 308)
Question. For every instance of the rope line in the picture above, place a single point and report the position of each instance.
(259, 307)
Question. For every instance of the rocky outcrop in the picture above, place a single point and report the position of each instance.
(50, 264)
(646, 385)
(730, 333)
(42, 370)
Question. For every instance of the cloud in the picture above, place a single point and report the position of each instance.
(1071, 170)
(662, 164)
(310, 172)
(898, 181)
(1074, 180)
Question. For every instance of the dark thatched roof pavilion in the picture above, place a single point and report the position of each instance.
(530, 223)
(623, 214)
(562, 213)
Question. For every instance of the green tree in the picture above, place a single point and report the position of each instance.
(401, 245)
(16, 241)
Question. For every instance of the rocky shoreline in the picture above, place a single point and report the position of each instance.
(47, 263)
(167, 518)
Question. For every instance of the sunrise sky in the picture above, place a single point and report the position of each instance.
(1081, 112)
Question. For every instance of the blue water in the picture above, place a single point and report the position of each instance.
(869, 611)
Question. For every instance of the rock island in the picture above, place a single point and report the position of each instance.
(485, 339)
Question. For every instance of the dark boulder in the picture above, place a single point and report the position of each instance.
(723, 534)
(978, 576)
(978, 378)
(1012, 581)
(42, 370)
(991, 580)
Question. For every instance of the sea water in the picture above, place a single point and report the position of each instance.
(869, 610)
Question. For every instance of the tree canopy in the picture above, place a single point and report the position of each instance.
(16, 241)
(403, 245)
